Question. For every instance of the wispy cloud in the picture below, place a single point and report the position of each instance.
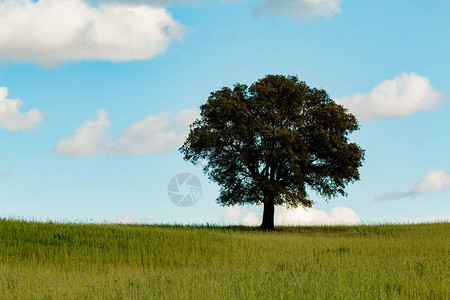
(127, 220)
(10, 116)
(155, 134)
(434, 181)
(7, 174)
(401, 96)
(163, 3)
(291, 217)
(297, 10)
(393, 195)
(50, 32)
(301, 9)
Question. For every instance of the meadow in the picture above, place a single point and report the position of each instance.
(91, 261)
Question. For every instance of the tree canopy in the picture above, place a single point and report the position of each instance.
(267, 143)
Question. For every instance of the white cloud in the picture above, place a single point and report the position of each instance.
(54, 31)
(393, 195)
(295, 9)
(155, 134)
(292, 217)
(127, 220)
(10, 116)
(89, 139)
(434, 181)
(436, 218)
(338, 215)
(401, 96)
(163, 3)
(302, 9)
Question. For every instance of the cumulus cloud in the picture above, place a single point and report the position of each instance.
(89, 139)
(433, 182)
(49, 32)
(292, 217)
(10, 116)
(301, 9)
(401, 96)
(155, 134)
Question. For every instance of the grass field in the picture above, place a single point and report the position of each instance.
(60, 261)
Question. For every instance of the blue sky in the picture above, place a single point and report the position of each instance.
(108, 89)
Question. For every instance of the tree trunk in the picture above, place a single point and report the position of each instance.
(268, 214)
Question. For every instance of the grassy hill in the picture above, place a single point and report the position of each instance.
(56, 261)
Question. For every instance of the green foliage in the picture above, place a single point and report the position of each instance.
(65, 261)
(270, 141)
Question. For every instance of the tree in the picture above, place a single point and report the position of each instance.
(267, 143)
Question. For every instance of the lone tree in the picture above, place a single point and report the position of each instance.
(268, 142)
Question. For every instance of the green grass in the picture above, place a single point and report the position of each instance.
(60, 261)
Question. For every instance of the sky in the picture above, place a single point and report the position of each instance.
(97, 96)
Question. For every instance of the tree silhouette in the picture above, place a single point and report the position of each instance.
(267, 143)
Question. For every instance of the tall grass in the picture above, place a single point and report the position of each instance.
(56, 261)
